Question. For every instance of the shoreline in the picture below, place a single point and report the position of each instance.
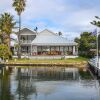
(79, 62)
(80, 65)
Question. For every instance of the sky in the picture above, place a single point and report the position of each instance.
(71, 17)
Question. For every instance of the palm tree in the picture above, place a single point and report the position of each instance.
(19, 6)
(7, 23)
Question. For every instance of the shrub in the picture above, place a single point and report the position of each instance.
(5, 53)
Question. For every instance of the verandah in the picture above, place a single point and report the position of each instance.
(53, 50)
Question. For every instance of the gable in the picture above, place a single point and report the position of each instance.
(47, 32)
(27, 31)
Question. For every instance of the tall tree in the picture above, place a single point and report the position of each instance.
(7, 23)
(19, 6)
(86, 42)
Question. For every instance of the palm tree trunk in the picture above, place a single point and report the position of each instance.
(9, 42)
(19, 47)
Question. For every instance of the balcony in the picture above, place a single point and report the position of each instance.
(25, 41)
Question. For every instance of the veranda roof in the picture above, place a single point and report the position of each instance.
(52, 40)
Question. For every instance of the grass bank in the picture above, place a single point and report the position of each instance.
(50, 61)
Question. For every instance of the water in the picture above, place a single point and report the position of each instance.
(47, 84)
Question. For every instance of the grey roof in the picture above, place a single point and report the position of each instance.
(26, 31)
(46, 38)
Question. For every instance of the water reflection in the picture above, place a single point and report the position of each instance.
(5, 93)
(48, 74)
(47, 84)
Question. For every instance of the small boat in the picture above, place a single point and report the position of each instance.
(95, 69)
(93, 62)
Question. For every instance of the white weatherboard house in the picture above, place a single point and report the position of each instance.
(46, 43)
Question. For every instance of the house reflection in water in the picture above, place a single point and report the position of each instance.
(30, 79)
(49, 73)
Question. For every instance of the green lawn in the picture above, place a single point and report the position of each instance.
(50, 61)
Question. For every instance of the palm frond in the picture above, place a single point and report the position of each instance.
(19, 5)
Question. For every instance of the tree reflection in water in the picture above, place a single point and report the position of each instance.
(5, 85)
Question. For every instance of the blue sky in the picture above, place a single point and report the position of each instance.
(71, 17)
